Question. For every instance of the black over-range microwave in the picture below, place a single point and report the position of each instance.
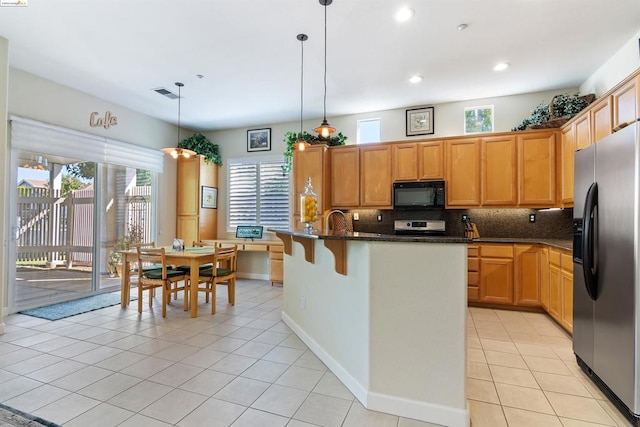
(418, 195)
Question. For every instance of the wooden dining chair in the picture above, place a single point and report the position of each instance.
(226, 262)
(164, 277)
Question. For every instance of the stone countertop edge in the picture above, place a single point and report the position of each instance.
(373, 237)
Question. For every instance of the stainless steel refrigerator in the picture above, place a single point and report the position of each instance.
(606, 278)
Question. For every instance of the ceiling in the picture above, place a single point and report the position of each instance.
(249, 56)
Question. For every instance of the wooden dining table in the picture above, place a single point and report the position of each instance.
(194, 257)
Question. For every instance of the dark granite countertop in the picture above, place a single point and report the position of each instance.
(556, 243)
(373, 237)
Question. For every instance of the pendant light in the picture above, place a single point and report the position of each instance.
(176, 151)
(324, 129)
(301, 143)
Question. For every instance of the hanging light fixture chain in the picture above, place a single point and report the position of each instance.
(324, 116)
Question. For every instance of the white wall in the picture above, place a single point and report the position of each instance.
(624, 62)
(4, 174)
(36, 98)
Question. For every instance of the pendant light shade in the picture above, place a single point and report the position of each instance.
(325, 129)
(176, 151)
(301, 143)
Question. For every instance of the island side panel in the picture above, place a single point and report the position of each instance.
(418, 330)
(330, 311)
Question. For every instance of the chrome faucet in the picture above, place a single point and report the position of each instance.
(326, 219)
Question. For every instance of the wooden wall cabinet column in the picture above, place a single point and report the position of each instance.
(312, 162)
(537, 169)
(375, 180)
(565, 165)
(496, 274)
(499, 171)
(528, 278)
(195, 223)
(463, 172)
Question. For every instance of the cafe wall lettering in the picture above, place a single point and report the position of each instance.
(106, 122)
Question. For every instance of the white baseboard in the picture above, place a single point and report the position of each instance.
(423, 411)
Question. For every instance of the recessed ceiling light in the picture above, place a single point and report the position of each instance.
(416, 79)
(500, 66)
(462, 27)
(404, 14)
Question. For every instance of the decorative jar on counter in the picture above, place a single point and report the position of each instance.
(308, 207)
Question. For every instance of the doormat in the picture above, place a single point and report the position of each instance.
(72, 308)
(12, 417)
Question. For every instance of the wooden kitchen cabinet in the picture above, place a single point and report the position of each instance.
(375, 177)
(431, 160)
(566, 165)
(537, 169)
(496, 274)
(194, 223)
(473, 273)
(582, 127)
(311, 162)
(601, 118)
(463, 172)
(544, 277)
(405, 161)
(345, 177)
(561, 287)
(499, 172)
(528, 275)
(626, 102)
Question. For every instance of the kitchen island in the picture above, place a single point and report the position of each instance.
(387, 314)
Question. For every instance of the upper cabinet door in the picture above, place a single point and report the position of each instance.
(625, 102)
(537, 169)
(499, 171)
(601, 119)
(463, 172)
(565, 165)
(405, 162)
(376, 182)
(188, 185)
(431, 160)
(310, 163)
(582, 134)
(345, 177)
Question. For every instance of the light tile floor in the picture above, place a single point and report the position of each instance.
(244, 367)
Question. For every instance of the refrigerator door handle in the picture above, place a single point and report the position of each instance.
(590, 241)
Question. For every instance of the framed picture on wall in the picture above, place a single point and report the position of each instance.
(259, 139)
(209, 197)
(420, 121)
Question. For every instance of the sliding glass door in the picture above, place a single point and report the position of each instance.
(64, 206)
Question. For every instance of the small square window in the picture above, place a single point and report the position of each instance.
(478, 119)
(368, 131)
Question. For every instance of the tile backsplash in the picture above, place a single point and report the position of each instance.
(490, 222)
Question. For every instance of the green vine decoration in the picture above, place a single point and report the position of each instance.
(203, 146)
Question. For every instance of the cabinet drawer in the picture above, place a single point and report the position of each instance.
(567, 262)
(473, 278)
(473, 264)
(275, 255)
(496, 251)
(276, 248)
(473, 293)
(472, 251)
(554, 257)
(260, 248)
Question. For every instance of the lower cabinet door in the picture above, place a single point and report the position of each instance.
(496, 280)
(555, 292)
(567, 300)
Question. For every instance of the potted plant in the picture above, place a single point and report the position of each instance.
(555, 113)
(134, 234)
(290, 139)
(203, 146)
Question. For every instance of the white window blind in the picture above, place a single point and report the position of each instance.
(258, 193)
(31, 135)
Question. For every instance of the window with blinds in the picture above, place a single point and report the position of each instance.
(258, 193)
